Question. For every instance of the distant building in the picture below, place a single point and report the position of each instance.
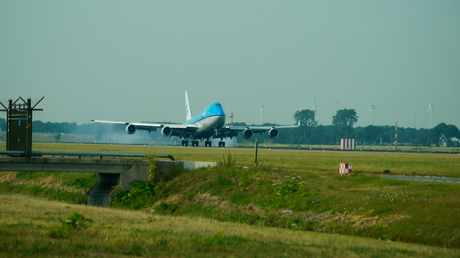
(443, 141)
(455, 140)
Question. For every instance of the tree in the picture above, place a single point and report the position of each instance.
(451, 131)
(371, 132)
(432, 138)
(345, 117)
(343, 131)
(316, 135)
(306, 117)
(383, 136)
(343, 124)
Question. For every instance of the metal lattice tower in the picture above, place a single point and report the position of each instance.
(315, 109)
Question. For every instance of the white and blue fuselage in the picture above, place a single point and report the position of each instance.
(207, 121)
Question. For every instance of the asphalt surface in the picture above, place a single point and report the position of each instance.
(424, 178)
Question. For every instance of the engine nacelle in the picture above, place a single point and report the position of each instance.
(247, 133)
(166, 131)
(273, 133)
(130, 129)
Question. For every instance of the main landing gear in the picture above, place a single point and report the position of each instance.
(194, 143)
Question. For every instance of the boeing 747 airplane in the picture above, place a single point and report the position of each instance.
(210, 123)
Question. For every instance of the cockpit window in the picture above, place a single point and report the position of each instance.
(217, 105)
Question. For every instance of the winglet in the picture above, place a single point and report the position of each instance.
(188, 113)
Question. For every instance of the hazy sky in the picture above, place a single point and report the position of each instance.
(133, 60)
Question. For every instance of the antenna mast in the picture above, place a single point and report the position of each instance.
(231, 118)
(314, 109)
(371, 112)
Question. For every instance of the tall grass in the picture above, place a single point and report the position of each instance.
(26, 225)
(229, 160)
(324, 202)
(301, 190)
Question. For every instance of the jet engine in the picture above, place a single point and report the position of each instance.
(166, 131)
(273, 133)
(247, 133)
(130, 129)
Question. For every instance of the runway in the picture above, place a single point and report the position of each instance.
(423, 178)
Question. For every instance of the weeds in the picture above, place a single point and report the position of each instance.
(32, 175)
(244, 179)
(380, 201)
(155, 174)
(82, 182)
(48, 193)
(74, 222)
(229, 161)
(138, 196)
(220, 239)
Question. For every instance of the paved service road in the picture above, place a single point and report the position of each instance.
(435, 179)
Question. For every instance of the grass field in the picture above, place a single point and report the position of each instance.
(293, 190)
(426, 164)
(33, 227)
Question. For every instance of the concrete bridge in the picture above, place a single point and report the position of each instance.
(113, 174)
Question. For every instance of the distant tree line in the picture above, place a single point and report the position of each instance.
(48, 127)
(309, 132)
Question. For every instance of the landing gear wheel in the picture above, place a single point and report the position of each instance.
(222, 144)
(207, 143)
(184, 143)
(195, 143)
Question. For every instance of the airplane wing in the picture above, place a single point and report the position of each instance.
(248, 131)
(166, 129)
